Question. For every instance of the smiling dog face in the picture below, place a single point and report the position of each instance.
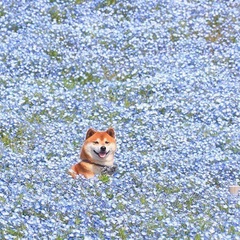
(99, 147)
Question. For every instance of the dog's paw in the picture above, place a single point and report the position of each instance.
(109, 170)
(72, 173)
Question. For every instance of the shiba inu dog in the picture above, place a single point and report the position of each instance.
(96, 155)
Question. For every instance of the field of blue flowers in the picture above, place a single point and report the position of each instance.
(164, 74)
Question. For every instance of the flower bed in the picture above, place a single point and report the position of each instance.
(164, 74)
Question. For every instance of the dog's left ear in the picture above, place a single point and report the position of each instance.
(111, 132)
(90, 132)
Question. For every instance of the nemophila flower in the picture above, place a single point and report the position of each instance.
(163, 75)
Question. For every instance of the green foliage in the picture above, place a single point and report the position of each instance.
(72, 82)
(5, 138)
(54, 55)
(2, 199)
(2, 12)
(16, 232)
(101, 215)
(14, 139)
(122, 234)
(79, 1)
(78, 221)
(143, 200)
(104, 178)
(167, 189)
(105, 3)
(57, 15)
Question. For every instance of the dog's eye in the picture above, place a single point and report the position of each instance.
(95, 142)
(106, 142)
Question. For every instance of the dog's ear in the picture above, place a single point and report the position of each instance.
(90, 132)
(111, 132)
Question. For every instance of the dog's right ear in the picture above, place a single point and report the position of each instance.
(111, 132)
(90, 132)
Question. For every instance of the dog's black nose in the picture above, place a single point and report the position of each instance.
(103, 148)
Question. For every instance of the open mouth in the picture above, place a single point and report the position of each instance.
(102, 154)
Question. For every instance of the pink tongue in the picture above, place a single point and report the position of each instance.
(102, 155)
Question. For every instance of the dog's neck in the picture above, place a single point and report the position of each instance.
(99, 165)
(109, 170)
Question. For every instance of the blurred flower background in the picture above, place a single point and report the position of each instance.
(164, 74)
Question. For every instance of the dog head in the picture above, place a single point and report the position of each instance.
(99, 147)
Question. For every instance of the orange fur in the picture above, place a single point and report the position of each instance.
(98, 149)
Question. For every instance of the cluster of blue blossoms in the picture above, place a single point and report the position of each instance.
(164, 74)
